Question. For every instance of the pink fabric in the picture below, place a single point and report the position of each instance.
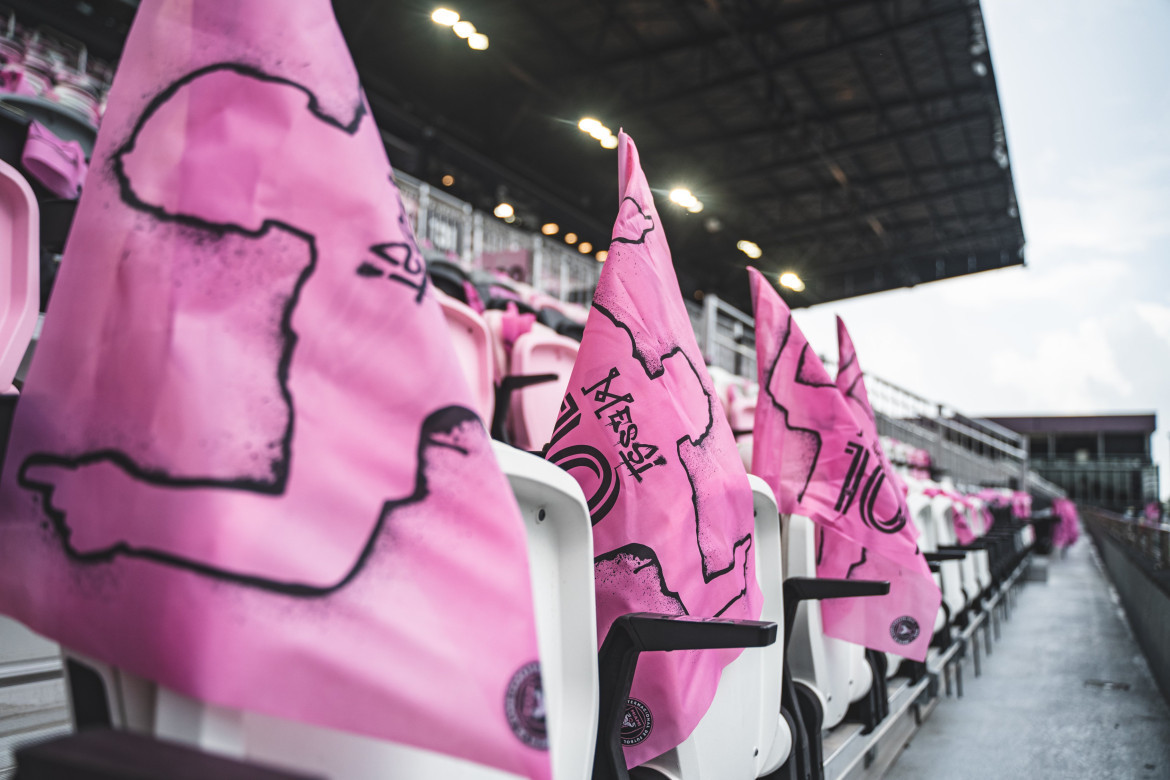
(472, 296)
(14, 81)
(513, 325)
(1021, 505)
(57, 164)
(988, 518)
(816, 454)
(1068, 530)
(245, 265)
(642, 431)
(961, 522)
(994, 497)
(867, 621)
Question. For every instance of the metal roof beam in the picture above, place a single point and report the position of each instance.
(783, 63)
(881, 207)
(948, 97)
(862, 144)
(704, 41)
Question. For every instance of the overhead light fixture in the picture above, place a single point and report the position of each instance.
(504, 210)
(791, 281)
(448, 180)
(585, 247)
(550, 228)
(461, 27)
(601, 255)
(598, 132)
(838, 174)
(681, 196)
(750, 248)
(570, 238)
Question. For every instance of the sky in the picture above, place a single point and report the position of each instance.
(1084, 328)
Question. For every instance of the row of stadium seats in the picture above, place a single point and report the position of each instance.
(773, 706)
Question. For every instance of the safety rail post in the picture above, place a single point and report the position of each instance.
(537, 260)
(424, 207)
(467, 236)
(710, 322)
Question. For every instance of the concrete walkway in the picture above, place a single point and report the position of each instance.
(1066, 694)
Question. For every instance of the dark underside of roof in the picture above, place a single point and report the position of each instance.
(859, 143)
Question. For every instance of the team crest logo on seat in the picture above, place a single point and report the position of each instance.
(636, 723)
(904, 630)
(524, 706)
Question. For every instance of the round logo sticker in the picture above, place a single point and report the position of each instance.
(637, 722)
(904, 630)
(524, 706)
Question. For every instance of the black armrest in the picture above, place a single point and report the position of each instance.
(935, 567)
(945, 555)
(798, 589)
(641, 632)
(100, 754)
(963, 548)
(504, 391)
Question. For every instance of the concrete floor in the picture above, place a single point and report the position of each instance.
(1066, 694)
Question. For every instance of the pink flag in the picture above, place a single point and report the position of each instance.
(959, 507)
(841, 558)
(643, 432)
(815, 453)
(1021, 505)
(245, 463)
(1068, 530)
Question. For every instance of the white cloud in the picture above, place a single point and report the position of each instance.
(1066, 370)
(1156, 316)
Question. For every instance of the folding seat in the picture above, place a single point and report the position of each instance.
(20, 264)
(953, 572)
(979, 551)
(560, 552)
(743, 734)
(835, 670)
(475, 348)
(533, 409)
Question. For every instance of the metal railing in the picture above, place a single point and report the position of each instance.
(1151, 541)
(971, 450)
(473, 239)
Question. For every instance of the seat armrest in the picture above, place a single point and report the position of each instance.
(504, 390)
(639, 632)
(798, 589)
(946, 554)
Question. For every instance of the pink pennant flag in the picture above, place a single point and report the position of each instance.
(818, 458)
(1068, 530)
(1021, 505)
(961, 519)
(959, 508)
(245, 464)
(644, 433)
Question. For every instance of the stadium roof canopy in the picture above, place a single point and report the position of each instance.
(858, 143)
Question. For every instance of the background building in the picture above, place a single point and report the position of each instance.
(1102, 460)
